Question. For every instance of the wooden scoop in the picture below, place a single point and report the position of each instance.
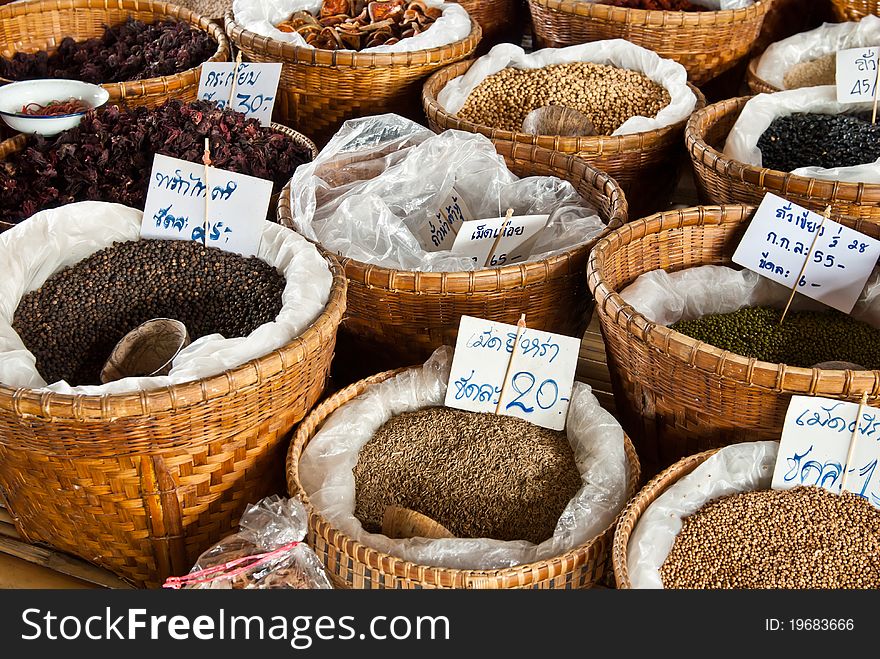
(558, 120)
(401, 523)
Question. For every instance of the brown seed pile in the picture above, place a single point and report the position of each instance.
(479, 475)
(73, 321)
(606, 94)
(805, 537)
(821, 71)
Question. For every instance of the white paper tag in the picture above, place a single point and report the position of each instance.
(477, 237)
(175, 207)
(778, 239)
(856, 75)
(815, 443)
(255, 89)
(438, 232)
(540, 379)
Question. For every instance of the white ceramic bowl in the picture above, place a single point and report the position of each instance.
(15, 95)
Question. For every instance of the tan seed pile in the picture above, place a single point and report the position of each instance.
(806, 537)
(479, 475)
(606, 94)
(821, 71)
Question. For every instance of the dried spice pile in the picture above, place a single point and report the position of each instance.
(804, 339)
(108, 157)
(607, 95)
(821, 140)
(661, 5)
(132, 50)
(813, 73)
(806, 537)
(73, 321)
(479, 475)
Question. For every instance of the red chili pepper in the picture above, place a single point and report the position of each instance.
(55, 108)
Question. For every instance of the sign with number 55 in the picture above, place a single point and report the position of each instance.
(530, 372)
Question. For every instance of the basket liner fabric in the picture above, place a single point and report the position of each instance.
(813, 44)
(614, 52)
(736, 468)
(402, 172)
(326, 465)
(261, 17)
(54, 239)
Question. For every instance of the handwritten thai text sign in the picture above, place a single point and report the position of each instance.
(175, 208)
(815, 444)
(539, 380)
(255, 88)
(440, 228)
(778, 240)
(517, 239)
(856, 75)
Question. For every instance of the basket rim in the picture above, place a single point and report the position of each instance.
(654, 17)
(752, 74)
(133, 88)
(291, 54)
(703, 153)
(593, 144)
(49, 405)
(719, 363)
(631, 515)
(485, 279)
(407, 569)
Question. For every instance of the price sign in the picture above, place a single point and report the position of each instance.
(176, 201)
(253, 87)
(439, 231)
(856, 75)
(779, 238)
(512, 241)
(527, 374)
(816, 442)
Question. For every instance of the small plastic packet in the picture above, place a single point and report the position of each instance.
(267, 552)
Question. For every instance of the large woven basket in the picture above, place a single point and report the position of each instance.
(320, 89)
(142, 483)
(501, 20)
(676, 396)
(721, 180)
(353, 565)
(756, 84)
(646, 165)
(41, 24)
(705, 43)
(633, 512)
(398, 318)
(853, 10)
(18, 142)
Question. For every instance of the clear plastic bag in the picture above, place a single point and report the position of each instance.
(737, 468)
(759, 112)
(671, 75)
(381, 177)
(267, 552)
(326, 466)
(54, 239)
(813, 44)
(261, 16)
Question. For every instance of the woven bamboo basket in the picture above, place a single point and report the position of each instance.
(398, 318)
(756, 84)
(677, 396)
(853, 10)
(320, 89)
(18, 142)
(500, 20)
(353, 565)
(646, 165)
(721, 180)
(633, 512)
(41, 25)
(706, 43)
(212, 9)
(142, 483)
